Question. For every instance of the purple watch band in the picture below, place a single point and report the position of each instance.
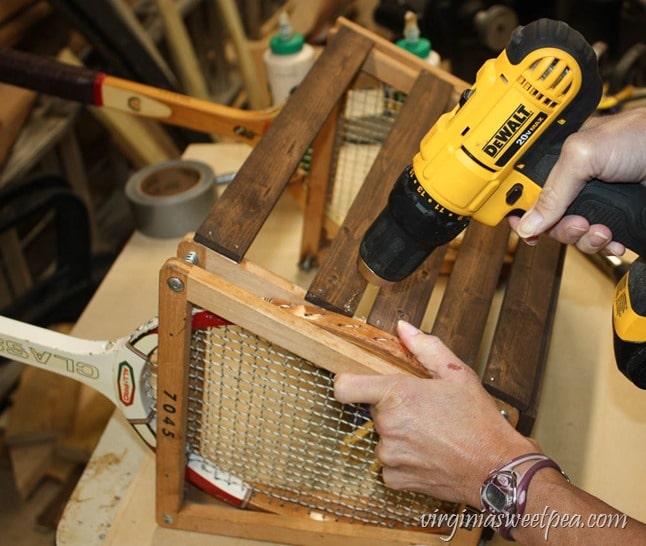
(514, 485)
(523, 484)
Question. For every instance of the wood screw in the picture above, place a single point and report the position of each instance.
(175, 284)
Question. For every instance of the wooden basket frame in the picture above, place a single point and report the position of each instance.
(211, 272)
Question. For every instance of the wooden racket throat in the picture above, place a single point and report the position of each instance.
(100, 89)
(254, 400)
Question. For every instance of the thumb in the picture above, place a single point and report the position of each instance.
(361, 389)
(565, 181)
(436, 357)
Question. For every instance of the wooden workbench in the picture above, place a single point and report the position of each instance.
(591, 419)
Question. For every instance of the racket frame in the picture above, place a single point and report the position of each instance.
(242, 294)
(113, 368)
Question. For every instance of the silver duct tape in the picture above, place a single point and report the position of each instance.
(171, 198)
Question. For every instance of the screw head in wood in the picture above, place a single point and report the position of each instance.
(175, 284)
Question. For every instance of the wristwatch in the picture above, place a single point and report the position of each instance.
(503, 494)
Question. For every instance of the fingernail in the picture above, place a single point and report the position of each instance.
(531, 241)
(407, 328)
(598, 240)
(529, 223)
(614, 249)
(575, 232)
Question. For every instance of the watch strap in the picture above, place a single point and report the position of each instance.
(513, 515)
(523, 484)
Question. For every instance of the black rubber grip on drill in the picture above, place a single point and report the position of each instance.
(630, 356)
(621, 207)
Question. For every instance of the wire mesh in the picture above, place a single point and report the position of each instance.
(368, 115)
(269, 418)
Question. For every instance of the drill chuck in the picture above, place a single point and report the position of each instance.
(406, 232)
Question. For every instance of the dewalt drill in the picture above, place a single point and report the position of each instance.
(490, 156)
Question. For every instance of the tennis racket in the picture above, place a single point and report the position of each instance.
(264, 431)
(94, 88)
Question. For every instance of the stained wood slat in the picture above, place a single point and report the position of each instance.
(407, 300)
(522, 337)
(338, 286)
(238, 215)
(319, 176)
(462, 315)
(528, 416)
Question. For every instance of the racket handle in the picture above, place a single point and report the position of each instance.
(49, 76)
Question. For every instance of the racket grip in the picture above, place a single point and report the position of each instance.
(48, 76)
(621, 207)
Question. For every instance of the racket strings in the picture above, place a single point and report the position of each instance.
(149, 380)
(269, 418)
(368, 116)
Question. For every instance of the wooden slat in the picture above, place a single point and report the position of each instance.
(173, 351)
(527, 417)
(462, 315)
(521, 338)
(309, 531)
(408, 299)
(397, 67)
(239, 214)
(286, 329)
(338, 285)
(317, 190)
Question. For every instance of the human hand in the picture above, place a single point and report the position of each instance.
(610, 148)
(439, 436)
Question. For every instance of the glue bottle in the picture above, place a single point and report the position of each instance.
(413, 42)
(287, 60)
(418, 46)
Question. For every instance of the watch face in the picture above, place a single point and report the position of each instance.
(495, 497)
(498, 493)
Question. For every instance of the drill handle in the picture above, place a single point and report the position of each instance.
(621, 207)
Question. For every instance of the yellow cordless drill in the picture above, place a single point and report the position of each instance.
(490, 156)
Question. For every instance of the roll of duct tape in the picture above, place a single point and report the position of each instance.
(171, 198)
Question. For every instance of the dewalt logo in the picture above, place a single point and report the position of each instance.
(507, 131)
